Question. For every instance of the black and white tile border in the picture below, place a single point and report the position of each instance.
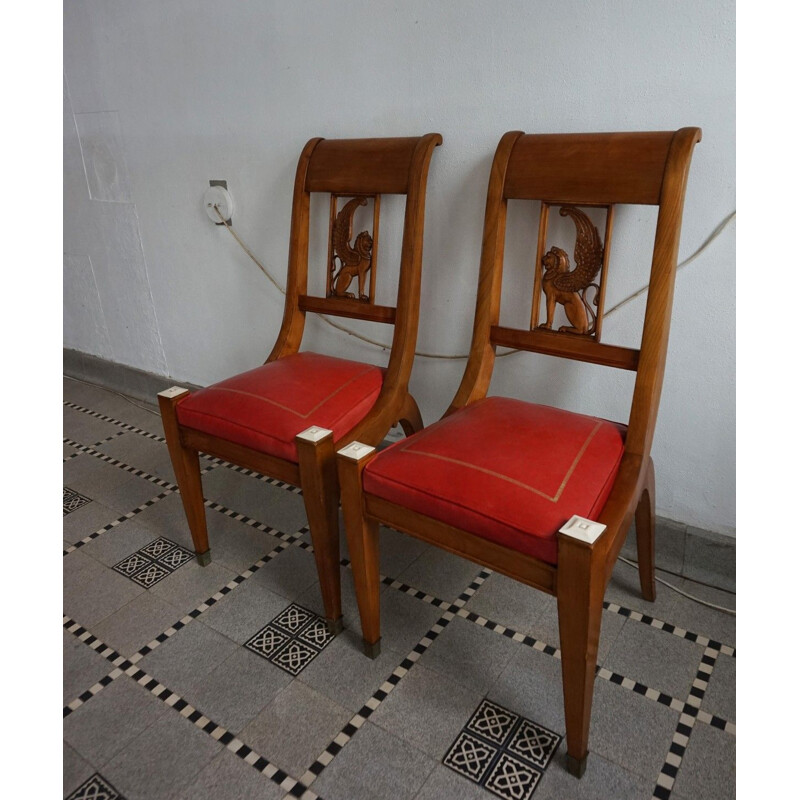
(502, 751)
(689, 711)
(73, 501)
(358, 720)
(96, 788)
(211, 459)
(116, 659)
(686, 722)
(118, 521)
(111, 420)
(292, 639)
(197, 718)
(543, 647)
(667, 627)
(170, 488)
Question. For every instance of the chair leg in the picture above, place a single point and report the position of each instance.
(646, 535)
(410, 418)
(580, 604)
(186, 463)
(363, 542)
(317, 463)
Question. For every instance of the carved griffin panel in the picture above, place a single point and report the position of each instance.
(349, 261)
(569, 287)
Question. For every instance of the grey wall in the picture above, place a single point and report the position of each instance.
(160, 97)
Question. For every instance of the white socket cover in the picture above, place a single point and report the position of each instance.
(220, 197)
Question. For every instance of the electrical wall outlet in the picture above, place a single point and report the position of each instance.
(218, 195)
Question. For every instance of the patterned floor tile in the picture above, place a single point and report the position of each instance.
(73, 501)
(292, 640)
(148, 565)
(414, 731)
(96, 788)
(502, 751)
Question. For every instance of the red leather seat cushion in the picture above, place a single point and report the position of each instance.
(506, 470)
(265, 408)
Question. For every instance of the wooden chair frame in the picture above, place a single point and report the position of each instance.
(344, 167)
(590, 169)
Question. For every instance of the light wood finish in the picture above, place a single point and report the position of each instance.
(556, 344)
(186, 464)
(345, 307)
(344, 167)
(646, 534)
(320, 492)
(362, 542)
(593, 169)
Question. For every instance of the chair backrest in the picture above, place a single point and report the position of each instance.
(356, 172)
(566, 172)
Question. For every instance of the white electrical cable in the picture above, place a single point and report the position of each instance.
(712, 236)
(730, 611)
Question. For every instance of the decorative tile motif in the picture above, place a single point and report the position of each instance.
(292, 640)
(493, 722)
(150, 575)
(502, 751)
(96, 788)
(534, 743)
(73, 501)
(157, 548)
(470, 756)
(513, 779)
(148, 565)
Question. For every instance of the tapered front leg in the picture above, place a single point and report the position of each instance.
(579, 591)
(186, 464)
(646, 535)
(362, 540)
(317, 463)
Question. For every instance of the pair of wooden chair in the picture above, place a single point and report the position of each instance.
(543, 495)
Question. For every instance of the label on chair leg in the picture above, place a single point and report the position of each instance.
(583, 529)
(314, 434)
(356, 450)
(173, 391)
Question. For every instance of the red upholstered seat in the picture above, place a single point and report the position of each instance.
(506, 470)
(265, 408)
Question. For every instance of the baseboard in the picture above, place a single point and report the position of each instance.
(681, 549)
(693, 553)
(135, 383)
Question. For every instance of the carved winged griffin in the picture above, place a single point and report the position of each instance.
(560, 285)
(353, 260)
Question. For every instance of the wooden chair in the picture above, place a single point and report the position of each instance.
(285, 418)
(498, 480)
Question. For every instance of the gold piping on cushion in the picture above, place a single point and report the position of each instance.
(286, 408)
(406, 448)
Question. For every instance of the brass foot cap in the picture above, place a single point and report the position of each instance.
(372, 650)
(576, 766)
(204, 559)
(335, 626)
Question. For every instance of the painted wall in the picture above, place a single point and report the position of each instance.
(161, 97)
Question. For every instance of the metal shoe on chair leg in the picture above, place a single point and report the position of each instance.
(580, 590)
(186, 463)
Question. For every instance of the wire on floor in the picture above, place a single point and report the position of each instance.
(118, 394)
(730, 611)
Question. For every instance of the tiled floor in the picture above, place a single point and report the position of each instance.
(182, 681)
